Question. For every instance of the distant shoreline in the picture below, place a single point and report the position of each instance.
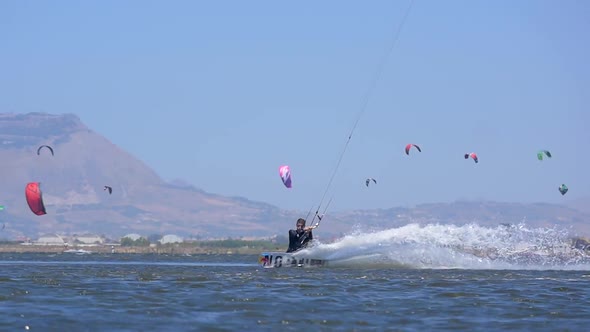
(107, 249)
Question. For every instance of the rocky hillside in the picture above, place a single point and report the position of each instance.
(73, 179)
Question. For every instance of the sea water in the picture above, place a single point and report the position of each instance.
(413, 278)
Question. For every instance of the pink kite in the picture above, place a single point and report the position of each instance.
(285, 173)
(472, 155)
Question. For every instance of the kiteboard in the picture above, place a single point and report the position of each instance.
(284, 259)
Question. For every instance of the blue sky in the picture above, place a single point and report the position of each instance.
(222, 93)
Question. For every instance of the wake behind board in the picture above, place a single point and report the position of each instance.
(283, 259)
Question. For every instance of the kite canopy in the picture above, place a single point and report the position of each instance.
(409, 146)
(369, 181)
(35, 198)
(44, 146)
(109, 189)
(473, 156)
(543, 152)
(285, 173)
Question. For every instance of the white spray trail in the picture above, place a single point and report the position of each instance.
(449, 246)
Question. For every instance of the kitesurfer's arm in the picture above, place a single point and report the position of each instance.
(305, 237)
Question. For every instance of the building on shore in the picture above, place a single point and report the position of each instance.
(50, 240)
(88, 240)
(170, 238)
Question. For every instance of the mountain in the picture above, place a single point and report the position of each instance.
(73, 180)
(580, 204)
(484, 213)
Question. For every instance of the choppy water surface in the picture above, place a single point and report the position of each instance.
(381, 284)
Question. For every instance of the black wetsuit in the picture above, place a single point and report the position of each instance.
(298, 239)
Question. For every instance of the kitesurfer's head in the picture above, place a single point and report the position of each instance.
(300, 223)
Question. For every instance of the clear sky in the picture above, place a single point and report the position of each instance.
(221, 93)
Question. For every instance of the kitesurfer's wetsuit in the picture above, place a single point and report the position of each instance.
(298, 239)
